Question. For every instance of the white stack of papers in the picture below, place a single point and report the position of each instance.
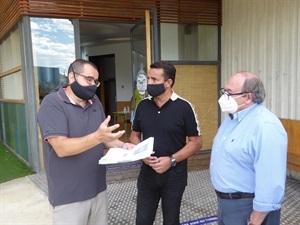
(120, 155)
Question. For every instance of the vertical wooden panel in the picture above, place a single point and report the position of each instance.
(148, 38)
(293, 129)
(198, 85)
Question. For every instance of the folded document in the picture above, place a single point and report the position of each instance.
(120, 155)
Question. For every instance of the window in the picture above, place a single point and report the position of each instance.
(10, 67)
(192, 42)
(53, 49)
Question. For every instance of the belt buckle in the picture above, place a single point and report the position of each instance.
(235, 195)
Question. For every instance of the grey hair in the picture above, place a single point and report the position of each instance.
(255, 86)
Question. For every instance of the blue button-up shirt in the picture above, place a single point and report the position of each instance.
(249, 155)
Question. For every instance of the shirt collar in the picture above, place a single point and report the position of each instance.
(173, 97)
(241, 114)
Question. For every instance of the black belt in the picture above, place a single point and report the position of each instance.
(235, 195)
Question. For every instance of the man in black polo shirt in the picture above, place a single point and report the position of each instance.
(169, 119)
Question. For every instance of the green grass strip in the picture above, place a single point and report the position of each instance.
(11, 167)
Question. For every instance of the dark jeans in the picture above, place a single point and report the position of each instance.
(237, 211)
(168, 187)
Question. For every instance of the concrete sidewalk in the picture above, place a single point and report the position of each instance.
(22, 202)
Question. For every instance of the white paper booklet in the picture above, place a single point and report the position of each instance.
(120, 155)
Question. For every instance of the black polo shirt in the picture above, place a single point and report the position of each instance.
(169, 125)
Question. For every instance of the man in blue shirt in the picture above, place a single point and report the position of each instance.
(248, 160)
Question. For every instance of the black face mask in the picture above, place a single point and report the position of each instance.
(155, 89)
(83, 92)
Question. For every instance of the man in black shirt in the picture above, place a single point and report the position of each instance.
(170, 120)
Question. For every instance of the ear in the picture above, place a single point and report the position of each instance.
(249, 98)
(169, 83)
(71, 77)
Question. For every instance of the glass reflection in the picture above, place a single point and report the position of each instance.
(53, 49)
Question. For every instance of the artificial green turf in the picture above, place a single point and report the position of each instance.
(11, 167)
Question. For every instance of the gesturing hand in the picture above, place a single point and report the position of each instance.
(105, 132)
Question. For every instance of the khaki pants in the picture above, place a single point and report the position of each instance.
(93, 211)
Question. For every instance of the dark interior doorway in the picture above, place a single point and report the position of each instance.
(107, 76)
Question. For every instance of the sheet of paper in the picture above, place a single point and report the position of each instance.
(120, 155)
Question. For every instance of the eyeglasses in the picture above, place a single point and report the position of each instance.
(90, 80)
(223, 91)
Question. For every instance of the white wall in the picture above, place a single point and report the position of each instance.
(123, 67)
(262, 36)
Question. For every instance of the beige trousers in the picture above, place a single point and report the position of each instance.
(93, 211)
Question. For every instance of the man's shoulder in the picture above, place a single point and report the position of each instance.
(182, 102)
(265, 112)
(51, 97)
(264, 115)
(146, 100)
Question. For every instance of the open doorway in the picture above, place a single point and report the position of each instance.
(107, 77)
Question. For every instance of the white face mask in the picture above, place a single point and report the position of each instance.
(228, 104)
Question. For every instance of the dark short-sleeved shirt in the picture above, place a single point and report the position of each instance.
(79, 177)
(169, 125)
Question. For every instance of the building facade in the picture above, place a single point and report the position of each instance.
(39, 39)
(207, 40)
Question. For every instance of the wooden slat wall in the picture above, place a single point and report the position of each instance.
(292, 128)
(10, 13)
(169, 11)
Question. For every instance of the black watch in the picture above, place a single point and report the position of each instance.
(173, 161)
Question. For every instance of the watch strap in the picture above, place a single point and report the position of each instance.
(173, 161)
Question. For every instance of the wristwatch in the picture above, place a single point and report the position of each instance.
(249, 222)
(173, 161)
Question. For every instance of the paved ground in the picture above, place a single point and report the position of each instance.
(24, 202)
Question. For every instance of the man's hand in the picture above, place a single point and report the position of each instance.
(105, 132)
(160, 165)
(256, 218)
(150, 159)
(127, 145)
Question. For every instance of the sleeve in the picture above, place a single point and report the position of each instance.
(270, 167)
(52, 118)
(191, 121)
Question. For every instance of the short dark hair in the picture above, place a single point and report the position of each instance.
(168, 68)
(78, 64)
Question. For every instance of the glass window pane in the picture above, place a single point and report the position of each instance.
(188, 42)
(10, 51)
(53, 49)
(13, 80)
(10, 65)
